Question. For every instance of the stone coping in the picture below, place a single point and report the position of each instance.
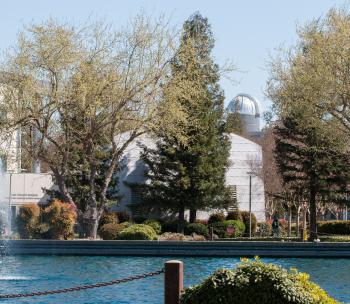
(179, 248)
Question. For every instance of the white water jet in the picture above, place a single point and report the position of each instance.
(5, 230)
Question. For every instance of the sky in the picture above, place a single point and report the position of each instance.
(247, 32)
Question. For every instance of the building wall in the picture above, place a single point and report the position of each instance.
(245, 157)
(243, 152)
(26, 188)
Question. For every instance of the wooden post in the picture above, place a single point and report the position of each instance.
(173, 281)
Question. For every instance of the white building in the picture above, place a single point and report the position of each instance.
(243, 154)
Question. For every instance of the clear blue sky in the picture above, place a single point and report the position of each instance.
(246, 31)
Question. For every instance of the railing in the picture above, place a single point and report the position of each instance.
(173, 284)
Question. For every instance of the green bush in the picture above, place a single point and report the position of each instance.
(216, 218)
(245, 219)
(171, 226)
(27, 221)
(155, 225)
(334, 227)
(197, 228)
(111, 231)
(256, 282)
(220, 228)
(264, 229)
(234, 215)
(138, 232)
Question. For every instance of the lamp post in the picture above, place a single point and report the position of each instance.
(250, 205)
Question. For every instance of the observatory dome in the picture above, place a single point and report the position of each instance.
(249, 109)
(244, 104)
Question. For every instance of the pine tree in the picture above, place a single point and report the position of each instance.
(312, 161)
(191, 174)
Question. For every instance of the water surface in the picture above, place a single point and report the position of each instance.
(20, 274)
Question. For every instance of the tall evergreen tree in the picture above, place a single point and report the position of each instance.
(191, 174)
(313, 161)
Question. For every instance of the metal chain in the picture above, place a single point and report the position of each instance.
(83, 287)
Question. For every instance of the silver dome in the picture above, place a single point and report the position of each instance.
(244, 104)
(249, 110)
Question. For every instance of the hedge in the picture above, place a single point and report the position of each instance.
(256, 282)
(334, 227)
(138, 232)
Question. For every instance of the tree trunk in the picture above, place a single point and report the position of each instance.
(289, 221)
(181, 223)
(91, 218)
(313, 211)
(193, 215)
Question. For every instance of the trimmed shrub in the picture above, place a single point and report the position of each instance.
(111, 231)
(154, 224)
(108, 218)
(197, 228)
(138, 232)
(27, 221)
(234, 215)
(264, 229)
(171, 226)
(334, 227)
(61, 218)
(245, 219)
(220, 228)
(216, 218)
(256, 282)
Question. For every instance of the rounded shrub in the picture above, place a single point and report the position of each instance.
(197, 228)
(108, 218)
(256, 282)
(216, 217)
(220, 228)
(155, 225)
(110, 231)
(334, 227)
(138, 232)
(245, 219)
(234, 215)
(60, 218)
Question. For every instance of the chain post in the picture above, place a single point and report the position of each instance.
(173, 281)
